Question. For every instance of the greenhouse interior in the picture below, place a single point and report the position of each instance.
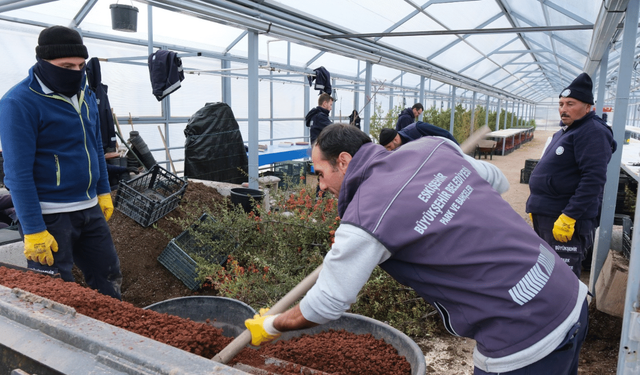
(470, 63)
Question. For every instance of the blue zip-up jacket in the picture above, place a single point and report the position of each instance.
(52, 150)
(405, 118)
(421, 129)
(570, 176)
(459, 245)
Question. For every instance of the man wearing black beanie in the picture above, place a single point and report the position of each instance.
(55, 167)
(392, 139)
(567, 184)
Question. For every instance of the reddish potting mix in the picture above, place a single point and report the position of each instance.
(334, 352)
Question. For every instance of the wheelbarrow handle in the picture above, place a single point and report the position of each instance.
(231, 350)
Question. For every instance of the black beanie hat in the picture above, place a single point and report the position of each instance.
(581, 88)
(387, 135)
(58, 41)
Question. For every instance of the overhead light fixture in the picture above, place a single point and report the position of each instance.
(124, 17)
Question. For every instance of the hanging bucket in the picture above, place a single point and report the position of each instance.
(124, 17)
(244, 196)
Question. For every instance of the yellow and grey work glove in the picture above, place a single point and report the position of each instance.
(106, 205)
(531, 217)
(261, 328)
(563, 228)
(38, 247)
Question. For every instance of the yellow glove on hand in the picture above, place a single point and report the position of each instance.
(261, 328)
(563, 228)
(531, 217)
(106, 205)
(38, 247)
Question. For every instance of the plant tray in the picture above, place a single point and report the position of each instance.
(177, 257)
(150, 196)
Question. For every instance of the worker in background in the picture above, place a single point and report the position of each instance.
(433, 218)
(318, 118)
(409, 116)
(392, 139)
(354, 119)
(567, 183)
(55, 167)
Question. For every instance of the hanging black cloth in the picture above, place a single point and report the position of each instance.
(107, 127)
(165, 70)
(214, 149)
(323, 80)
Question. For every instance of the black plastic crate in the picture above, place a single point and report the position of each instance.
(291, 168)
(177, 257)
(290, 172)
(150, 196)
(524, 176)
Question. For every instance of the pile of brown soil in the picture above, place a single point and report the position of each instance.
(145, 280)
(336, 352)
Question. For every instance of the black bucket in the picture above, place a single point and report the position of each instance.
(141, 149)
(244, 196)
(225, 313)
(124, 17)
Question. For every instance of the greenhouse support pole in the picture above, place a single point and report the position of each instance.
(367, 96)
(307, 97)
(435, 98)
(498, 114)
(390, 99)
(602, 81)
(333, 108)
(486, 110)
(603, 239)
(473, 113)
(421, 99)
(271, 107)
(453, 109)
(628, 360)
(150, 29)
(506, 112)
(356, 91)
(252, 108)
(226, 82)
(513, 111)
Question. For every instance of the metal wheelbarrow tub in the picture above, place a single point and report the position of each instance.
(360, 325)
(226, 313)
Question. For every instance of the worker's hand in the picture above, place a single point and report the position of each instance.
(133, 169)
(531, 217)
(261, 328)
(563, 228)
(106, 205)
(38, 247)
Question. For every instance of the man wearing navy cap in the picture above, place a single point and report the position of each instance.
(567, 184)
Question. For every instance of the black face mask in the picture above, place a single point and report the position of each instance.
(67, 82)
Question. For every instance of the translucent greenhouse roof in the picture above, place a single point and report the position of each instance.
(527, 50)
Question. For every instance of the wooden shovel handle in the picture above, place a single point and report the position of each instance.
(231, 350)
(470, 143)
